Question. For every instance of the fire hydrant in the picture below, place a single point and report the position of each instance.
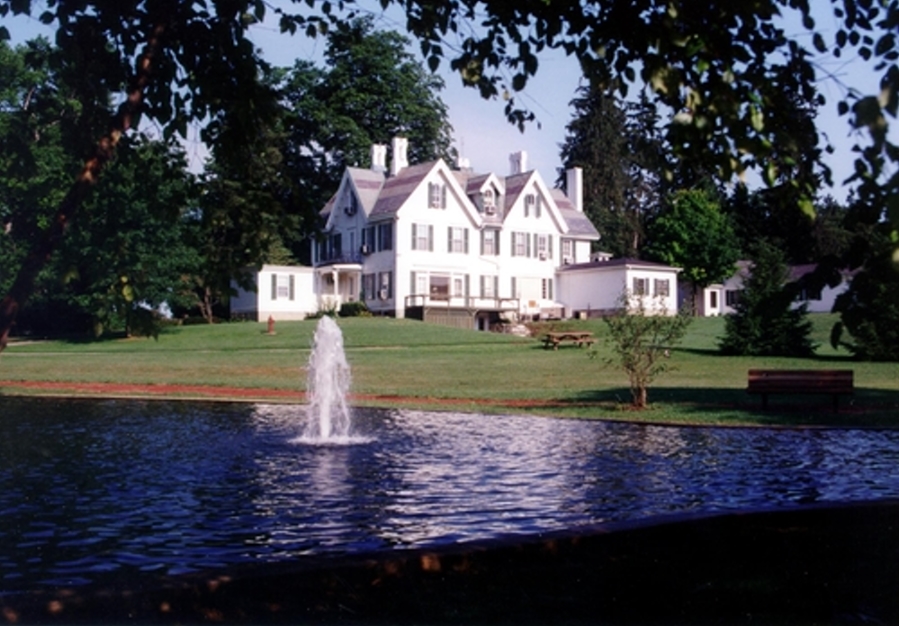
(271, 325)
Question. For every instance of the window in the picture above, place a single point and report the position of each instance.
(641, 287)
(385, 236)
(385, 285)
(546, 288)
(368, 286)
(489, 286)
(521, 244)
(458, 286)
(732, 297)
(436, 196)
(439, 287)
(422, 237)
(457, 240)
(282, 287)
(530, 201)
(542, 247)
(713, 299)
(660, 287)
(489, 201)
(330, 248)
(567, 251)
(489, 242)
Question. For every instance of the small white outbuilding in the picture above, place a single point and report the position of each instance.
(595, 289)
(284, 292)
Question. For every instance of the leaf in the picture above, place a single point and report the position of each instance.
(807, 207)
(4, 34)
(757, 118)
(868, 113)
(818, 42)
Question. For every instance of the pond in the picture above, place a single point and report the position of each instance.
(91, 490)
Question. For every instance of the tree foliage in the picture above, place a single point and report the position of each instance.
(720, 67)
(616, 144)
(641, 336)
(369, 90)
(765, 322)
(691, 232)
(869, 309)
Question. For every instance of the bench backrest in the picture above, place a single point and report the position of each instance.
(786, 380)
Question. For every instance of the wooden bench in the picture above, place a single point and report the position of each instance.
(832, 382)
(579, 338)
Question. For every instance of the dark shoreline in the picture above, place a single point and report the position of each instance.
(811, 564)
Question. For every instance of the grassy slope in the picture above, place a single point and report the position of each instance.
(411, 359)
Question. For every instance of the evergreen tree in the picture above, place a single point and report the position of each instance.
(765, 322)
(617, 147)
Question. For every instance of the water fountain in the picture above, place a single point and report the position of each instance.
(328, 383)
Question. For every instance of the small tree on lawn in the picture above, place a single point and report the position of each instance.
(641, 335)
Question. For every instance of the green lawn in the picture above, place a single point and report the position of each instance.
(432, 366)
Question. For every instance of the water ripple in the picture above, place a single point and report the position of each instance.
(94, 489)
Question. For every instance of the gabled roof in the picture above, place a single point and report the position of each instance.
(368, 186)
(396, 190)
(579, 225)
(515, 185)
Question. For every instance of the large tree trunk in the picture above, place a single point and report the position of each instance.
(40, 253)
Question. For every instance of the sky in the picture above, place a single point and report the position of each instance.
(484, 137)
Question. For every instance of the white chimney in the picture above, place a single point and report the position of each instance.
(400, 161)
(574, 186)
(378, 157)
(519, 162)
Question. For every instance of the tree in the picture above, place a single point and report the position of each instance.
(617, 147)
(369, 90)
(127, 256)
(692, 233)
(641, 338)
(869, 309)
(719, 68)
(765, 322)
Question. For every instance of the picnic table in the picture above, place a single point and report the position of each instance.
(580, 338)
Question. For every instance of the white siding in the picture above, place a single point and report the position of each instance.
(292, 298)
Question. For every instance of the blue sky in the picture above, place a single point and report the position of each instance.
(486, 139)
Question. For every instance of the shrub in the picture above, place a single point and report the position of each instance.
(641, 337)
(354, 309)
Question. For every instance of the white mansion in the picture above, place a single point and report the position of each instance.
(448, 245)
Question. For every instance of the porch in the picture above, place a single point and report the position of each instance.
(337, 284)
(468, 312)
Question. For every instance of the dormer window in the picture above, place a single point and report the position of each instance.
(489, 201)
